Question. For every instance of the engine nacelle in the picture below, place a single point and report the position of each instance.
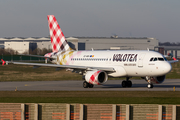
(96, 77)
(158, 80)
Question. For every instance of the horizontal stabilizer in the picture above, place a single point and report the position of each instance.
(39, 56)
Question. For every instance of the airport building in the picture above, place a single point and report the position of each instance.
(22, 45)
(117, 43)
(165, 50)
(80, 43)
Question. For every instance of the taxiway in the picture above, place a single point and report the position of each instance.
(110, 85)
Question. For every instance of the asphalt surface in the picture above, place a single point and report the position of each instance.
(110, 85)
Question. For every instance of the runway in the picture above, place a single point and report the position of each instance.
(110, 85)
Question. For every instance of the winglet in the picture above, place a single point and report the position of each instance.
(174, 58)
(3, 62)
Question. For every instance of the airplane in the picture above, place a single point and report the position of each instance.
(97, 66)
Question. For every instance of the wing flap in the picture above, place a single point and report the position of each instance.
(109, 69)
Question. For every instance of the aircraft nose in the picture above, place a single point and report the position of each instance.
(167, 67)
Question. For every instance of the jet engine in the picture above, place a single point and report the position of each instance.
(96, 77)
(158, 79)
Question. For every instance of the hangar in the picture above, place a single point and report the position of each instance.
(81, 43)
(165, 50)
(132, 43)
(22, 45)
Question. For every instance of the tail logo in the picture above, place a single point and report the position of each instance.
(57, 37)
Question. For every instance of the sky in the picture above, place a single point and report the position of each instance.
(158, 19)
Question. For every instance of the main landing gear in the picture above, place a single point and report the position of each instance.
(86, 85)
(126, 83)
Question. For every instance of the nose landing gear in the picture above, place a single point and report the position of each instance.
(150, 85)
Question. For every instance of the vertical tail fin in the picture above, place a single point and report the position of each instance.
(57, 37)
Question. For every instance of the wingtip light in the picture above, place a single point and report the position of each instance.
(3, 62)
(174, 58)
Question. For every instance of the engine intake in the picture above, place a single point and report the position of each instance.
(96, 77)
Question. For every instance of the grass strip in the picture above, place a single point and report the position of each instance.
(98, 100)
(91, 97)
(90, 94)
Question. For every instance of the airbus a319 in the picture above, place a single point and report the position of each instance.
(97, 66)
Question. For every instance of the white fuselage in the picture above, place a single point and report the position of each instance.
(125, 62)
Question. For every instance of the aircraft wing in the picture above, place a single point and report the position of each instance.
(108, 69)
(173, 61)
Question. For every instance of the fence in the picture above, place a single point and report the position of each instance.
(57, 111)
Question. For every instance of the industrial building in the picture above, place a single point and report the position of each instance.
(80, 43)
(117, 43)
(22, 45)
(165, 50)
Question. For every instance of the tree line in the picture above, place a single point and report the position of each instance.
(169, 44)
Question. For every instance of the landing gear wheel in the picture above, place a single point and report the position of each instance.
(124, 83)
(91, 85)
(129, 83)
(150, 86)
(85, 84)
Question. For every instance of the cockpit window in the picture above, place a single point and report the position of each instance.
(155, 59)
(161, 59)
(158, 59)
(151, 59)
